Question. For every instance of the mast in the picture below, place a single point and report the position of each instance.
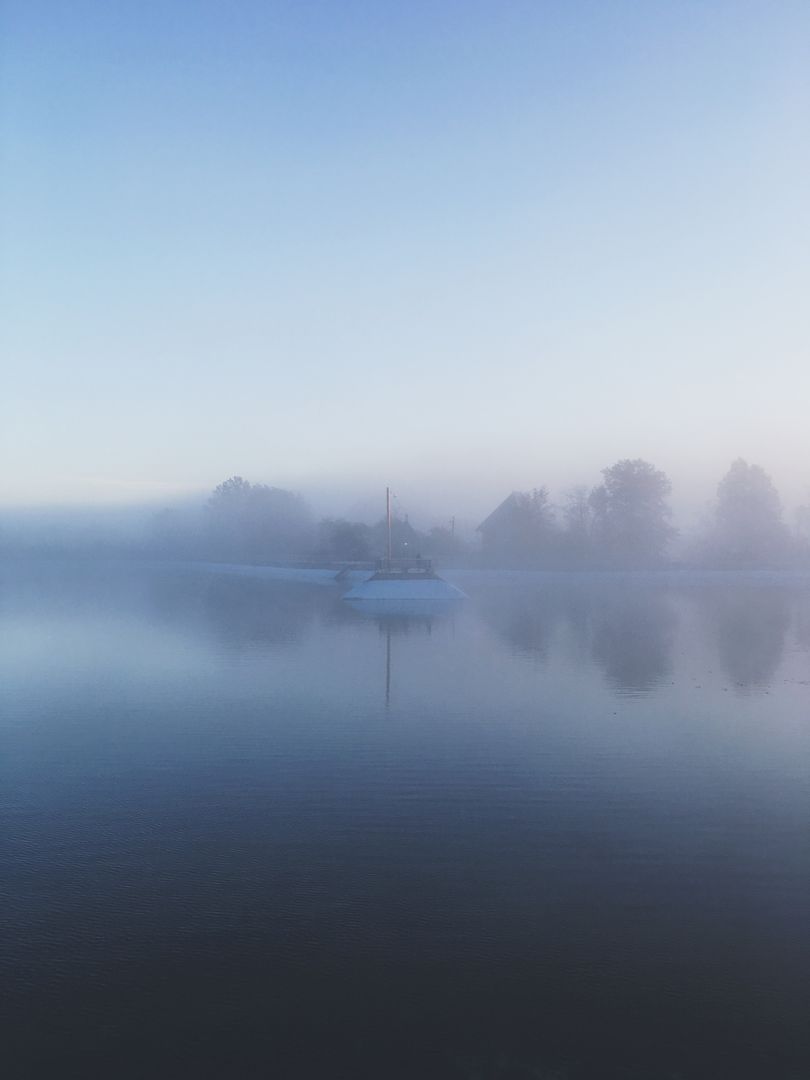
(388, 520)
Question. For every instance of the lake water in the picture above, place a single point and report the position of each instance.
(559, 833)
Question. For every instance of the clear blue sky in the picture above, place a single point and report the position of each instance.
(466, 246)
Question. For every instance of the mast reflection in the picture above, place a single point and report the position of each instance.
(399, 619)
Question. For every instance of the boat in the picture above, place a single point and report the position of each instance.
(410, 584)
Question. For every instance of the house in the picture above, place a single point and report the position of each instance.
(518, 529)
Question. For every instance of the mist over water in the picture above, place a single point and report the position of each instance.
(560, 831)
(511, 295)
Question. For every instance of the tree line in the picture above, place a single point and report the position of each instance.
(624, 521)
(255, 523)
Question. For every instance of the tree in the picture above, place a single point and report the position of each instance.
(803, 532)
(578, 523)
(256, 523)
(344, 541)
(232, 492)
(406, 541)
(443, 541)
(631, 517)
(748, 527)
(803, 523)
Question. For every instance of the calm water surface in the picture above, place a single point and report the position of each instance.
(248, 832)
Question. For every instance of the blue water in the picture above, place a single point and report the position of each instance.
(561, 831)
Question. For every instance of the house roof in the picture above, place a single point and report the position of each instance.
(509, 503)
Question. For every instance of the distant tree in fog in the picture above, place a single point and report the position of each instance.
(256, 523)
(232, 492)
(631, 516)
(747, 527)
(344, 541)
(577, 529)
(802, 534)
(406, 541)
(443, 542)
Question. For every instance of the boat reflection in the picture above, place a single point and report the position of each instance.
(416, 608)
(399, 618)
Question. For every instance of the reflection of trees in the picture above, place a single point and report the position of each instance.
(802, 606)
(243, 610)
(525, 619)
(249, 612)
(628, 631)
(632, 632)
(749, 625)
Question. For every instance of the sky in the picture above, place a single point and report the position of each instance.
(460, 248)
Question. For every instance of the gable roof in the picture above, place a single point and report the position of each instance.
(510, 503)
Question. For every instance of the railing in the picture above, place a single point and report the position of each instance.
(414, 566)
